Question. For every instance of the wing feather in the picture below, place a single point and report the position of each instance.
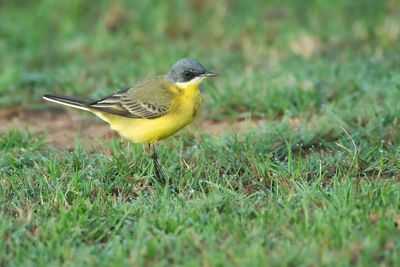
(150, 99)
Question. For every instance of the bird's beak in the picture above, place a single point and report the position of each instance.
(209, 74)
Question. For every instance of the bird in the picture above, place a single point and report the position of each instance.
(153, 109)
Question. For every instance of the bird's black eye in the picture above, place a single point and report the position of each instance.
(188, 74)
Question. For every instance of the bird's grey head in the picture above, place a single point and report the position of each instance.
(186, 70)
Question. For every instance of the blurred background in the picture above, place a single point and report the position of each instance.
(275, 58)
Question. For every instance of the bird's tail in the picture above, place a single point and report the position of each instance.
(68, 101)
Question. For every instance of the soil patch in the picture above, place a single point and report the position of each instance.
(62, 127)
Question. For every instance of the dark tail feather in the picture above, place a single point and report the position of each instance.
(68, 101)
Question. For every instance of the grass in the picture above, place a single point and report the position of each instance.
(317, 184)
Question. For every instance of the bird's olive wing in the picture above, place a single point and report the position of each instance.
(150, 99)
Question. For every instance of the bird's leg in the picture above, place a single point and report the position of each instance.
(157, 166)
(159, 171)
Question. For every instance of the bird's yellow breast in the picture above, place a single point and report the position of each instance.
(185, 106)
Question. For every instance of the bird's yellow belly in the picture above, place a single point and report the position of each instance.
(183, 111)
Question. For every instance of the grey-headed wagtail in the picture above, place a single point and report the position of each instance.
(153, 109)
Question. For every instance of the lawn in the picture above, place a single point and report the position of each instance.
(313, 179)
